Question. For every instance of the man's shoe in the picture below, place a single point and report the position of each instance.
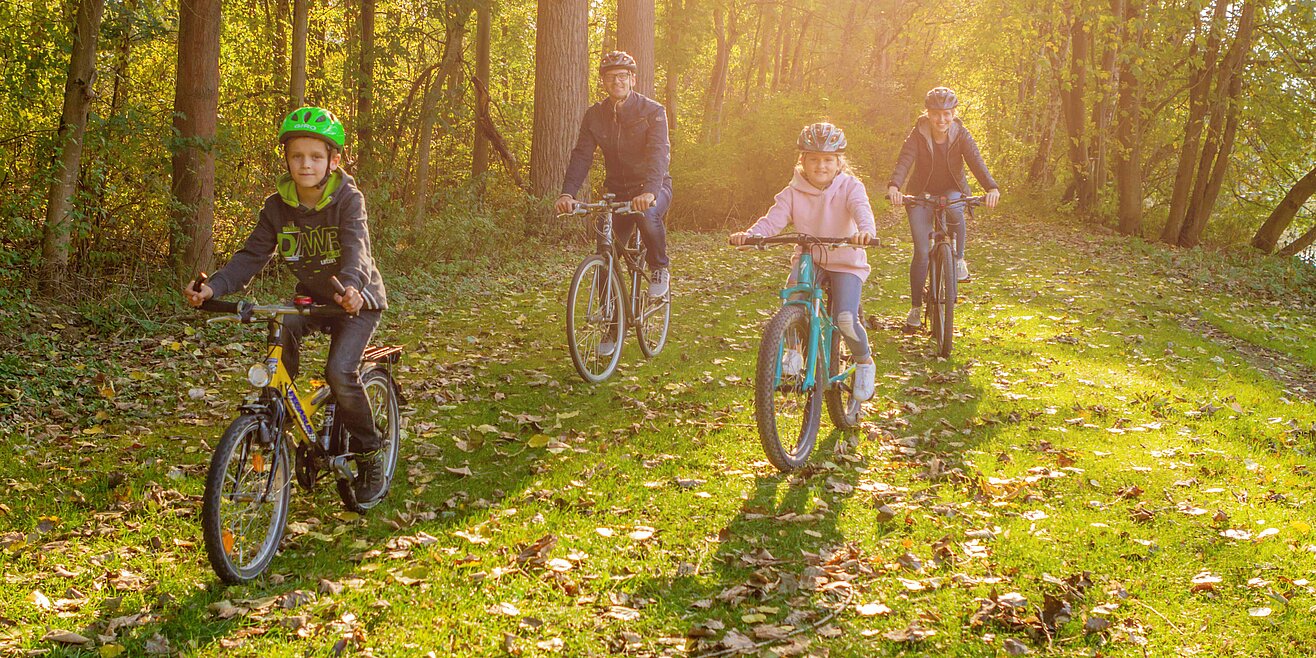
(659, 281)
(962, 270)
(865, 375)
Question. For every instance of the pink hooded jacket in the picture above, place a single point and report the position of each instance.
(839, 211)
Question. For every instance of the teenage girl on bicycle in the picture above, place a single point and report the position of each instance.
(937, 148)
(825, 200)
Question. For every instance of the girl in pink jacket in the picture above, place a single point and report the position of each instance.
(825, 200)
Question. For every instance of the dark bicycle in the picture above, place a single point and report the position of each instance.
(942, 285)
(600, 307)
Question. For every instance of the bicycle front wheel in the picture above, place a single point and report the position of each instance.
(596, 319)
(384, 410)
(651, 326)
(943, 307)
(786, 410)
(245, 505)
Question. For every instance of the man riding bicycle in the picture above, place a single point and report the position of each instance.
(631, 130)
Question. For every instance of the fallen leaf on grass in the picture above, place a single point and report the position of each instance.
(65, 637)
(872, 609)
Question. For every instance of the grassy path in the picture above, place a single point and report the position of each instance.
(1109, 463)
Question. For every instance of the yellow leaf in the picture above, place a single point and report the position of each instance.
(538, 441)
(137, 375)
(175, 346)
(111, 650)
(94, 429)
(1301, 526)
(754, 618)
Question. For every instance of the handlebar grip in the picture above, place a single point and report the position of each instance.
(215, 306)
(338, 285)
(199, 281)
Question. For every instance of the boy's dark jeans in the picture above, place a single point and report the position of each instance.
(349, 336)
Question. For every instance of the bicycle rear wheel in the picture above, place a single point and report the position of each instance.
(842, 407)
(787, 413)
(595, 314)
(655, 318)
(245, 505)
(943, 288)
(384, 410)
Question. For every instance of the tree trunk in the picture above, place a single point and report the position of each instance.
(1268, 235)
(446, 75)
(1076, 115)
(1128, 158)
(635, 30)
(280, 38)
(1220, 138)
(365, 100)
(480, 149)
(297, 85)
(725, 31)
(68, 154)
(561, 90)
(1200, 82)
(675, 13)
(1300, 245)
(196, 107)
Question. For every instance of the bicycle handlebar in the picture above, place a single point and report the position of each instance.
(247, 312)
(606, 204)
(803, 239)
(944, 202)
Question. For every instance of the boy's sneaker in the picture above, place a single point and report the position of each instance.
(792, 362)
(914, 321)
(659, 281)
(865, 375)
(370, 475)
(962, 270)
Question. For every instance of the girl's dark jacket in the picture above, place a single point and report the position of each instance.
(917, 153)
(331, 239)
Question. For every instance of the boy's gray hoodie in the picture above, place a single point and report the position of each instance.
(331, 239)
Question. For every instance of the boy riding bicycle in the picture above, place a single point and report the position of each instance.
(316, 224)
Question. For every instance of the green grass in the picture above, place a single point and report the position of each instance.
(1008, 468)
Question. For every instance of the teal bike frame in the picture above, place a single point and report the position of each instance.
(808, 293)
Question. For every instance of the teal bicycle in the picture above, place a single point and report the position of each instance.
(803, 362)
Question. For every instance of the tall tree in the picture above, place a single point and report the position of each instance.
(447, 73)
(1223, 125)
(365, 100)
(480, 147)
(1128, 127)
(635, 34)
(561, 89)
(726, 29)
(1199, 89)
(196, 107)
(1279, 220)
(297, 85)
(68, 156)
(1073, 94)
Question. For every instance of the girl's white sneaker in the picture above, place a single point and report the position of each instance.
(865, 375)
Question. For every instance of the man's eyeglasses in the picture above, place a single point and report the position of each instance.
(613, 77)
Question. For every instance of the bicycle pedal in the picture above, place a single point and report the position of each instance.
(339, 465)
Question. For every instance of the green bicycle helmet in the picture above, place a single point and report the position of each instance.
(313, 122)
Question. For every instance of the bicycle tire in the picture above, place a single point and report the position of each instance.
(219, 537)
(654, 321)
(946, 292)
(581, 341)
(842, 407)
(777, 416)
(378, 385)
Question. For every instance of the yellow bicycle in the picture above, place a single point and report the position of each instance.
(279, 434)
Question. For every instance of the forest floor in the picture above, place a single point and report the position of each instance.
(1117, 460)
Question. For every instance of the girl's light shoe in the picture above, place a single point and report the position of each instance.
(865, 375)
(792, 362)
